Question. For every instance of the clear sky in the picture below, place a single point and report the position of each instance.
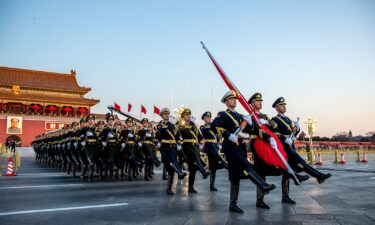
(318, 54)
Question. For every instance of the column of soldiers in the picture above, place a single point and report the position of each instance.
(113, 149)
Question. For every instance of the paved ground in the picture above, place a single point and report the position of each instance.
(43, 196)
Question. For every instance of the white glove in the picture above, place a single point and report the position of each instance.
(248, 119)
(273, 143)
(201, 146)
(110, 135)
(289, 141)
(68, 144)
(263, 121)
(220, 146)
(148, 135)
(139, 144)
(179, 147)
(130, 135)
(233, 138)
(123, 145)
(75, 144)
(83, 143)
(89, 134)
(104, 143)
(158, 145)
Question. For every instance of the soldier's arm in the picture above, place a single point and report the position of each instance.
(217, 127)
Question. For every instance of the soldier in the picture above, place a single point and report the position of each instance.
(211, 148)
(110, 144)
(286, 131)
(146, 138)
(190, 139)
(99, 128)
(73, 147)
(167, 135)
(80, 146)
(129, 149)
(263, 168)
(225, 125)
(90, 144)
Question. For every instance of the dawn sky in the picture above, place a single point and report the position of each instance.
(319, 55)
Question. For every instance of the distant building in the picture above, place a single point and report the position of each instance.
(33, 102)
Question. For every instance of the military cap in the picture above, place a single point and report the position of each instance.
(100, 122)
(129, 120)
(206, 114)
(91, 116)
(144, 120)
(118, 123)
(164, 110)
(75, 123)
(230, 94)
(68, 126)
(255, 97)
(110, 117)
(83, 120)
(185, 111)
(279, 101)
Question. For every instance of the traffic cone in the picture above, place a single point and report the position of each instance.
(342, 159)
(10, 172)
(319, 160)
(364, 160)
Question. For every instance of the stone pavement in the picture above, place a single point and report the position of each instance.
(41, 195)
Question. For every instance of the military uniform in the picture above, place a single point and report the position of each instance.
(211, 148)
(167, 134)
(130, 150)
(190, 139)
(225, 125)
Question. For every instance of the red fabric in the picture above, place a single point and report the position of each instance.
(268, 155)
(129, 107)
(143, 109)
(35, 107)
(156, 110)
(51, 108)
(82, 110)
(117, 106)
(67, 109)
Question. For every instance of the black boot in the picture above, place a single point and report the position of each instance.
(146, 172)
(170, 183)
(259, 182)
(234, 190)
(205, 173)
(164, 172)
(321, 177)
(178, 170)
(285, 191)
(260, 200)
(130, 173)
(191, 182)
(212, 181)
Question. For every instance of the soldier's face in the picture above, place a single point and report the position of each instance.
(111, 122)
(101, 126)
(165, 116)
(145, 124)
(91, 122)
(207, 119)
(257, 104)
(129, 124)
(231, 103)
(187, 117)
(281, 108)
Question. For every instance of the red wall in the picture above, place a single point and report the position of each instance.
(30, 129)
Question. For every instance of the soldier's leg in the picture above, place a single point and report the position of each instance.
(212, 180)
(164, 172)
(170, 181)
(285, 190)
(321, 177)
(234, 191)
(260, 196)
(192, 175)
(198, 164)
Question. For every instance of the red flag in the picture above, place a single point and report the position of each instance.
(156, 110)
(129, 107)
(117, 107)
(143, 109)
(268, 155)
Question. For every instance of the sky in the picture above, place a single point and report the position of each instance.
(318, 54)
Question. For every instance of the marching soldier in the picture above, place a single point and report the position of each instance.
(74, 147)
(190, 139)
(90, 144)
(225, 125)
(286, 131)
(101, 161)
(211, 148)
(109, 142)
(263, 168)
(129, 148)
(146, 138)
(81, 144)
(167, 135)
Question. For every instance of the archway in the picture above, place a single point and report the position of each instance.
(14, 138)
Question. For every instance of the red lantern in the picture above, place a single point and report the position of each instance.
(35, 107)
(67, 109)
(82, 110)
(51, 108)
